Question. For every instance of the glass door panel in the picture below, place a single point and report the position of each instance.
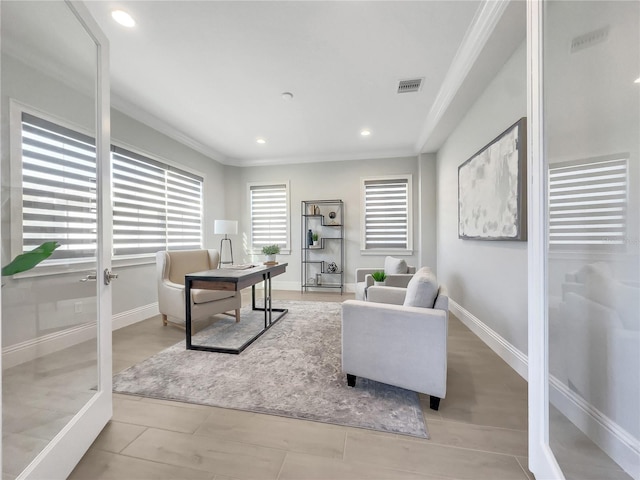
(591, 64)
(51, 187)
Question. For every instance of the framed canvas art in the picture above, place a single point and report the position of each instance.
(492, 189)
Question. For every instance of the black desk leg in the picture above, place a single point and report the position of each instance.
(187, 317)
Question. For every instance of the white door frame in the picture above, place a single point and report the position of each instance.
(62, 454)
(542, 461)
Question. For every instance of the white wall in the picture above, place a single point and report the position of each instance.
(336, 180)
(36, 306)
(487, 278)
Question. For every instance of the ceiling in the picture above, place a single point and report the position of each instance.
(212, 73)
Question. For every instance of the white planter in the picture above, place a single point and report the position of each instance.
(377, 284)
(315, 243)
(270, 258)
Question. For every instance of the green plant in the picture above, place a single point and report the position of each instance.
(28, 260)
(315, 237)
(270, 249)
(379, 276)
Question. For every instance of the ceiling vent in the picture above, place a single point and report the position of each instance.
(589, 39)
(407, 86)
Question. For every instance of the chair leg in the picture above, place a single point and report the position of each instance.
(237, 315)
(434, 402)
(351, 380)
(164, 320)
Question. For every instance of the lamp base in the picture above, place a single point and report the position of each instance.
(224, 262)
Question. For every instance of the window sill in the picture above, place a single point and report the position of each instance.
(382, 252)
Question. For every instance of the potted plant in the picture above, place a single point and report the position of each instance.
(315, 239)
(270, 252)
(378, 278)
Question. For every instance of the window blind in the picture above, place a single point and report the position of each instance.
(269, 215)
(386, 214)
(155, 206)
(588, 203)
(58, 188)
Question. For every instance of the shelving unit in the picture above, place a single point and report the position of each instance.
(326, 218)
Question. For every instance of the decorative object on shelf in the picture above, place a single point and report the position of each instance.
(312, 209)
(316, 210)
(311, 281)
(492, 189)
(318, 279)
(315, 239)
(332, 267)
(225, 227)
(270, 252)
(379, 277)
(309, 238)
(332, 215)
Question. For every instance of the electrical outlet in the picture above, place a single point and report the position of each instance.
(77, 307)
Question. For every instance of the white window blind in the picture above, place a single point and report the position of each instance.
(269, 215)
(155, 206)
(58, 188)
(588, 203)
(386, 214)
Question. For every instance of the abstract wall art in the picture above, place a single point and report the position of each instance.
(492, 190)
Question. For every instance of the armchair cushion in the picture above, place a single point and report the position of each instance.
(422, 289)
(204, 296)
(394, 265)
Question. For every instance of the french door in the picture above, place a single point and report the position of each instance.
(56, 317)
(584, 240)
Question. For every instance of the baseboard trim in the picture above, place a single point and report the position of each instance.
(515, 358)
(31, 349)
(621, 446)
(124, 319)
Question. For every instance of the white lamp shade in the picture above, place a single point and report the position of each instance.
(227, 227)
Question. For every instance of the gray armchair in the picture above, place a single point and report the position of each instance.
(402, 343)
(397, 271)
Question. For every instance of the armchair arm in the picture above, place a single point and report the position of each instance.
(361, 273)
(384, 294)
(171, 299)
(398, 280)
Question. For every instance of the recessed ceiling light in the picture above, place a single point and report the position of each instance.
(123, 18)
(637, 80)
(287, 96)
(261, 141)
(365, 132)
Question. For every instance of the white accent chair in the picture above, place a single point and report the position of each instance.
(397, 271)
(401, 342)
(172, 266)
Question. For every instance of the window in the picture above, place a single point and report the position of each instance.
(387, 214)
(269, 215)
(58, 188)
(588, 203)
(155, 206)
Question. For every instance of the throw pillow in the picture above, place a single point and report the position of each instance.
(422, 289)
(394, 265)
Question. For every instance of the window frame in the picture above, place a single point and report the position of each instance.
(258, 250)
(68, 265)
(408, 177)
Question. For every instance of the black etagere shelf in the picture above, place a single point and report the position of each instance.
(322, 262)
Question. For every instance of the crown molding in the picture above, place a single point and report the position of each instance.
(338, 157)
(150, 120)
(476, 37)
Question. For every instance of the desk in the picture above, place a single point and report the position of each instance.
(230, 279)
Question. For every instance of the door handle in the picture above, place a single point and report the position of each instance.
(108, 276)
(91, 276)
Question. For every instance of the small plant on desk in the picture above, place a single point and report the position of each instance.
(315, 239)
(270, 252)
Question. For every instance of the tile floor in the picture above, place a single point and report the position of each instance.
(480, 431)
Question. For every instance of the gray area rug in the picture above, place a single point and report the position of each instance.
(293, 370)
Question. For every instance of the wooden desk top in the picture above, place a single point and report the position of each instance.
(231, 278)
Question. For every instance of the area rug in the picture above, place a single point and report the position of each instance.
(293, 370)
